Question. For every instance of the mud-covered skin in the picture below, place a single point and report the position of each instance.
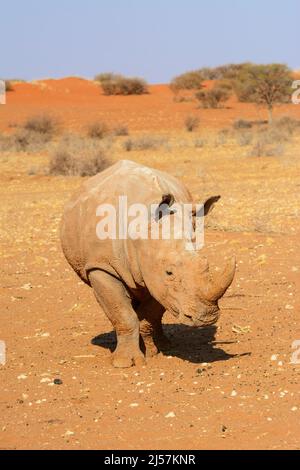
(135, 281)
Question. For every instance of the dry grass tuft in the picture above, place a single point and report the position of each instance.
(146, 142)
(76, 156)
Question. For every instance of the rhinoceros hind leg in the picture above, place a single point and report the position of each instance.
(116, 303)
(150, 313)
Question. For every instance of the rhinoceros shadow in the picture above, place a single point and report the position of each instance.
(188, 343)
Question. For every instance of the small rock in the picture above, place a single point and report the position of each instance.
(57, 382)
(22, 377)
(27, 286)
(170, 415)
(274, 357)
(44, 380)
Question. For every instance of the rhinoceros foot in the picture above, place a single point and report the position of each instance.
(123, 359)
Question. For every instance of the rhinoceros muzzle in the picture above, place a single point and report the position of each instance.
(207, 318)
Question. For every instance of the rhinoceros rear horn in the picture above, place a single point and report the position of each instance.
(217, 285)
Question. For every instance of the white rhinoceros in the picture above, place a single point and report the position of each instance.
(136, 280)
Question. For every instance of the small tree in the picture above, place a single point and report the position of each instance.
(267, 85)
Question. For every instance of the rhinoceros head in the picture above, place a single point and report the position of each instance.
(182, 281)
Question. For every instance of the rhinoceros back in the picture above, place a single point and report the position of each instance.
(81, 246)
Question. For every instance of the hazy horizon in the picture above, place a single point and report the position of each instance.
(155, 40)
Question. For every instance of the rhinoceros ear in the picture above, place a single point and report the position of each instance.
(163, 208)
(210, 203)
(208, 206)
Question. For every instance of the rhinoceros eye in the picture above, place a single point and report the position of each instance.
(169, 273)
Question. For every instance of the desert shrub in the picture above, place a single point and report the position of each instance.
(146, 142)
(213, 98)
(200, 143)
(76, 156)
(42, 124)
(268, 143)
(258, 149)
(221, 139)
(187, 81)
(121, 130)
(24, 141)
(275, 150)
(242, 124)
(287, 123)
(244, 138)
(182, 99)
(228, 71)
(274, 135)
(125, 86)
(8, 85)
(107, 77)
(191, 123)
(97, 130)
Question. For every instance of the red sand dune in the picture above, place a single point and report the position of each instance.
(76, 102)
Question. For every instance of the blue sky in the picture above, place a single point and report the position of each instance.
(155, 39)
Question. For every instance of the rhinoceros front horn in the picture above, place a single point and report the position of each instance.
(216, 285)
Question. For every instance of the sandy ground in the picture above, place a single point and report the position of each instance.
(230, 386)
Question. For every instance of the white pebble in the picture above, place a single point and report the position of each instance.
(170, 415)
(46, 379)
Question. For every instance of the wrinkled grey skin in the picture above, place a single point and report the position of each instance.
(136, 281)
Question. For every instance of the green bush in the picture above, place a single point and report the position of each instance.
(124, 86)
(187, 81)
(213, 98)
(265, 85)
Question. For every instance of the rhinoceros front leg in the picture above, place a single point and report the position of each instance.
(116, 303)
(150, 313)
